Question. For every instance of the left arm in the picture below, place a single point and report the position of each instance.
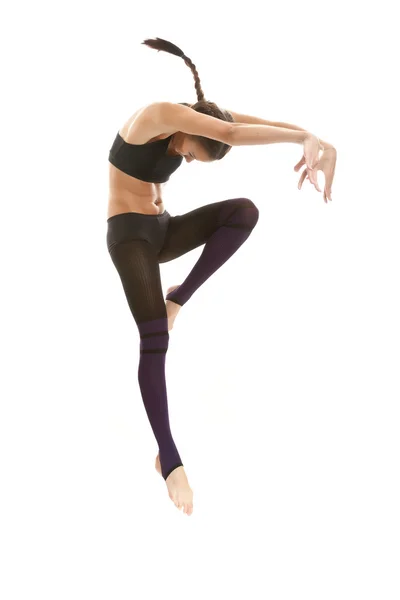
(328, 160)
(240, 118)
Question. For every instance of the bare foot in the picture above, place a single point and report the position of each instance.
(172, 308)
(178, 488)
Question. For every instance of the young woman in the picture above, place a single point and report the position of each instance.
(141, 233)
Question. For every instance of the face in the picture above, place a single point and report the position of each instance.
(190, 150)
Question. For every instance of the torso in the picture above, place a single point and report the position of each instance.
(126, 193)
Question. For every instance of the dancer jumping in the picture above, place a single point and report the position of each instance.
(141, 233)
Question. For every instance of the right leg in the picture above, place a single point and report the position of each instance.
(222, 226)
(137, 264)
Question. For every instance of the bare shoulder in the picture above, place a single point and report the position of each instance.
(144, 125)
(172, 117)
(162, 119)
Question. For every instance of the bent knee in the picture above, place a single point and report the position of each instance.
(238, 212)
(250, 211)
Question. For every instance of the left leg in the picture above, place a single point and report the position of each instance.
(222, 226)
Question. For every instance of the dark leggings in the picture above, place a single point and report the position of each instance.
(137, 244)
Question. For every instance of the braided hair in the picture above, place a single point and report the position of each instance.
(215, 149)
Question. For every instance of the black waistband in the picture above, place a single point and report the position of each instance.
(159, 215)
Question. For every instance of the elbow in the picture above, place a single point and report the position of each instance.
(232, 135)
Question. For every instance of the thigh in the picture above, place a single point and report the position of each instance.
(190, 230)
(137, 265)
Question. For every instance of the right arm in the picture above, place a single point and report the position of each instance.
(244, 134)
(251, 120)
(172, 117)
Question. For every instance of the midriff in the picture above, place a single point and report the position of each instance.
(127, 193)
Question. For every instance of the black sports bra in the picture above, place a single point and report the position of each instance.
(147, 162)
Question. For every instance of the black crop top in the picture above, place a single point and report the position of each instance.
(147, 162)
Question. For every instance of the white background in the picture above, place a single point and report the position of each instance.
(282, 370)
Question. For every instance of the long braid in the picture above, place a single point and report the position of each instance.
(215, 149)
(199, 91)
(165, 46)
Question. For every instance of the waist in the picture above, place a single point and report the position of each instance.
(118, 205)
(132, 215)
(127, 194)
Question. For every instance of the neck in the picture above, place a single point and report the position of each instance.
(171, 149)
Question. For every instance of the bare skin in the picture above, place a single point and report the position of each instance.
(129, 194)
(172, 308)
(179, 489)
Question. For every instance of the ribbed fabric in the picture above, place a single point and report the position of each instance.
(236, 221)
(137, 244)
(154, 339)
(148, 162)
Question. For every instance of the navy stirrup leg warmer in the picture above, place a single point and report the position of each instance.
(154, 340)
(236, 221)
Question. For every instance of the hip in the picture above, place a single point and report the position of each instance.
(131, 225)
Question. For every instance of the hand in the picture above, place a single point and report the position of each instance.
(312, 146)
(326, 164)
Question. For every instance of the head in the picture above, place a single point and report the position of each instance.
(189, 147)
(195, 147)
